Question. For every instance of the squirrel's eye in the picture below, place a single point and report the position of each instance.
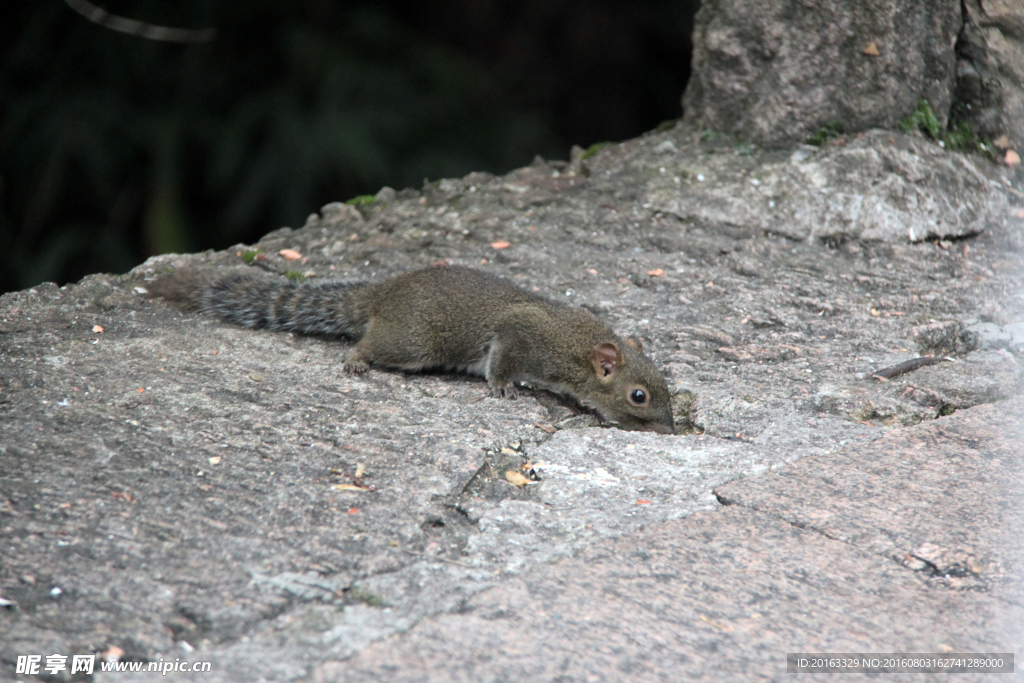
(638, 396)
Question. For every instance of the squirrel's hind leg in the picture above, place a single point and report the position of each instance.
(390, 346)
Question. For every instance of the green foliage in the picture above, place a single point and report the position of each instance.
(923, 119)
(958, 138)
(594, 149)
(961, 138)
(366, 596)
(250, 255)
(830, 130)
(113, 147)
(295, 275)
(362, 200)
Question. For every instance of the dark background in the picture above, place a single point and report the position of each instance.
(114, 148)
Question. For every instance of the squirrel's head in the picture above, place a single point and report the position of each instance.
(629, 390)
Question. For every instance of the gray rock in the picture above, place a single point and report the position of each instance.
(340, 212)
(773, 72)
(990, 70)
(983, 376)
(993, 336)
(917, 472)
(881, 548)
(1016, 332)
(188, 485)
(881, 186)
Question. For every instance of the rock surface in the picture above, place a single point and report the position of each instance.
(773, 72)
(863, 551)
(878, 187)
(174, 487)
(990, 70)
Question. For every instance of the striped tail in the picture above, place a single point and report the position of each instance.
(257, 300)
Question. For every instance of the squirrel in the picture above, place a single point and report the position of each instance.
(449, 318)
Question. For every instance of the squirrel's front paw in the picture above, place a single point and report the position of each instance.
(508, 390)
(356, 364)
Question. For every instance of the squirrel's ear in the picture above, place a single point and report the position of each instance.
(635, 343)
(606, 359)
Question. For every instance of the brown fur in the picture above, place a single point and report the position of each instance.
(449, 318)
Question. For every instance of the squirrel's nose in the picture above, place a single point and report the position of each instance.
(661, 428)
